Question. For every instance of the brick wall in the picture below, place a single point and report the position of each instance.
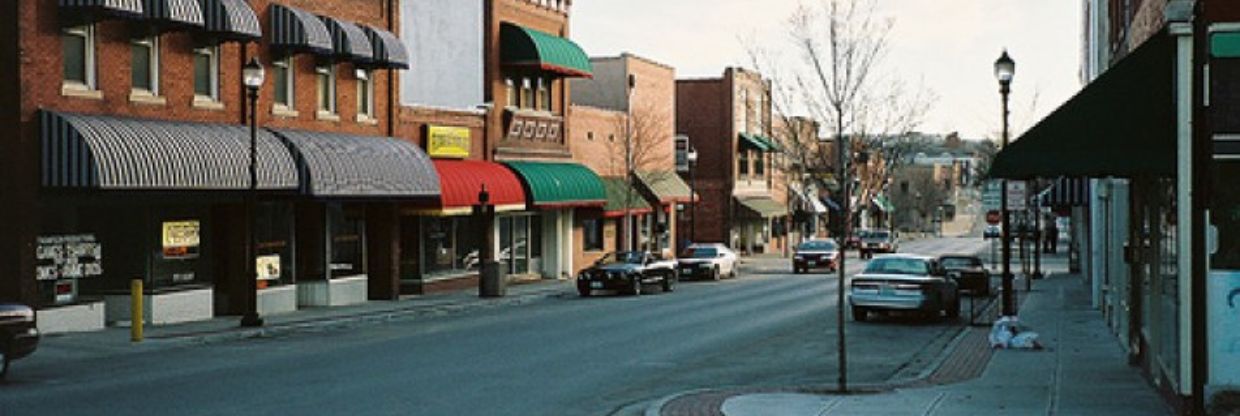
(531, 15)
(598, 139)
(411, 123)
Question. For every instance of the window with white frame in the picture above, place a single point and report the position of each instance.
(283, 69)
(144, 65)
(544, 94)
(511, 86)
(77, 46)
(207, 73)
(527, 92)
(744, 127)
(326, 75)
(365, 94)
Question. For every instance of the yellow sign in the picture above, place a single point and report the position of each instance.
(268, 267)
(444, 141)
(180, 239)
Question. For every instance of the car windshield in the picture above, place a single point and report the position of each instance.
(630, 257)
(876, 235)
(960, 262)
(701, 252)
(898, 266)
(820, 245)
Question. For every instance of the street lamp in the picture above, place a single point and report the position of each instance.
(692, 157)
(1005, 70)
(629, 232)
(252, 75)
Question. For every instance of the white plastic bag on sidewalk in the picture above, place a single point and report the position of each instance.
(1026, 339)
(1002, 331)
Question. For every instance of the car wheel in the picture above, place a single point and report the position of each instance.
(583, 290)
(669, 284)
(714, 274)
(796, 270)
(635, 288)
(4, 361)
(732, 272)
(953, 310)
(859, 314)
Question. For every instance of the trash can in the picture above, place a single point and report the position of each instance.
(492, 282)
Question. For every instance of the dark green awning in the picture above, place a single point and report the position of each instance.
(883, 204)
(522, 46)
(759, 142)
(666, 186)
(560, 184)
(621, 197)
(1122, 124)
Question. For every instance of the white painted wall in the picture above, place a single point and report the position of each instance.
(445, 43)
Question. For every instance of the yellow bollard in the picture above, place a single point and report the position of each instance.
(135, 308)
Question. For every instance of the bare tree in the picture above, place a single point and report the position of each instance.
(649, 145)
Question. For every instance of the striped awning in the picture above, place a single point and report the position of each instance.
(347, 166)
(389, 51)
(1064, 193)
(231, 20)
(349, 42)
(173, 13)
(297, 31)
(113, 153)
(75, 12)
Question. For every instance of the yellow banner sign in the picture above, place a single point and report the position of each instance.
(444, 141)
(180, 239)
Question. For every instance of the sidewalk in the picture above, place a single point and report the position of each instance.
(115, 341)
(1082, 371)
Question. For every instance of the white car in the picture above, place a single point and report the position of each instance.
(709, 260)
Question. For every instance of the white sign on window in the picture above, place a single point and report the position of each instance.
(1016, 193)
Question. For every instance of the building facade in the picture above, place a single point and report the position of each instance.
(728, 121)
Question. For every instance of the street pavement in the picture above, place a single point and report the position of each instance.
(541, 351)
(1082, 371)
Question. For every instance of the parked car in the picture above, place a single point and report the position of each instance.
(878, 241)
(901, 282)
(815, 254)
(853, 241)
(709, 260)
(19, 334)
(969, 272)
(627, 271)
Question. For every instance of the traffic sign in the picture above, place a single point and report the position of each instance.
(991, 195)
(1016, 192)
(994, 217)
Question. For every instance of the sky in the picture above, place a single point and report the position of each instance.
(946, 46)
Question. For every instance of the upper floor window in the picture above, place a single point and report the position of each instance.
(207, 73)
(77, 46)
(365, 95)
(742, 163)
(144, 65)
(544, 94)
(511, 85)
(744, 111)
(283, 69)
(326, 75)
(759, 164)
(527, 92)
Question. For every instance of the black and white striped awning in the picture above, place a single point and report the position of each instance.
(389, 52)
(112, 153)
(76, 12)
(297, 31)
(231, 20)
(1064, 193)
(173, 13)
(348, 41)
(346, 166)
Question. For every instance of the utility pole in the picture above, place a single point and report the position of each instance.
(845, 230)
(630, 233)
(1005, 69)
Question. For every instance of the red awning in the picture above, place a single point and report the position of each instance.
(461, 180)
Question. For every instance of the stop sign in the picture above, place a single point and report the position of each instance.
(994, 217)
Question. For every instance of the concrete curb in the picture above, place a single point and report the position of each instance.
(656, 407)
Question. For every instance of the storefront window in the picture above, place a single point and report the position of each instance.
(451, 245)
(1225, 216)
(592, 234)
(348, 241)
(514, 238)
(273, 235)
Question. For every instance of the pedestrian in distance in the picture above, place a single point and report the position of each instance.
(1051, 236)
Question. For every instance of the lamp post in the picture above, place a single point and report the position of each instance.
(252, 75)
(1039, 239)
(692, 156)
(845, 229)
(1005, 69)
(630, 233)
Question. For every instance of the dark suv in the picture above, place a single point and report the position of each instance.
(19, 334)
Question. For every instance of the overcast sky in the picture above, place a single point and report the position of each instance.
(949, 46)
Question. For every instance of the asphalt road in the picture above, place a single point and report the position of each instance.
(558, 356)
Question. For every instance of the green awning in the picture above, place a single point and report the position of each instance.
(883, 204)
(668, 187)
(559, 184)
(762, 206)
(522, 46)
(759, 142)
(622, 195)
(1122, 124)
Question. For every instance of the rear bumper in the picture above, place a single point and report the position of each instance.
(691, 271)
(817, 264)
(22, 342)
(903, 303)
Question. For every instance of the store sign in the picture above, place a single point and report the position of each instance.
(449, 142)
(682, 154)
(68, 257)
(180, 239)
(1016, 194)
(268, 267)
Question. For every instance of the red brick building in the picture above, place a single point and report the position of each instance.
(728, 121)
